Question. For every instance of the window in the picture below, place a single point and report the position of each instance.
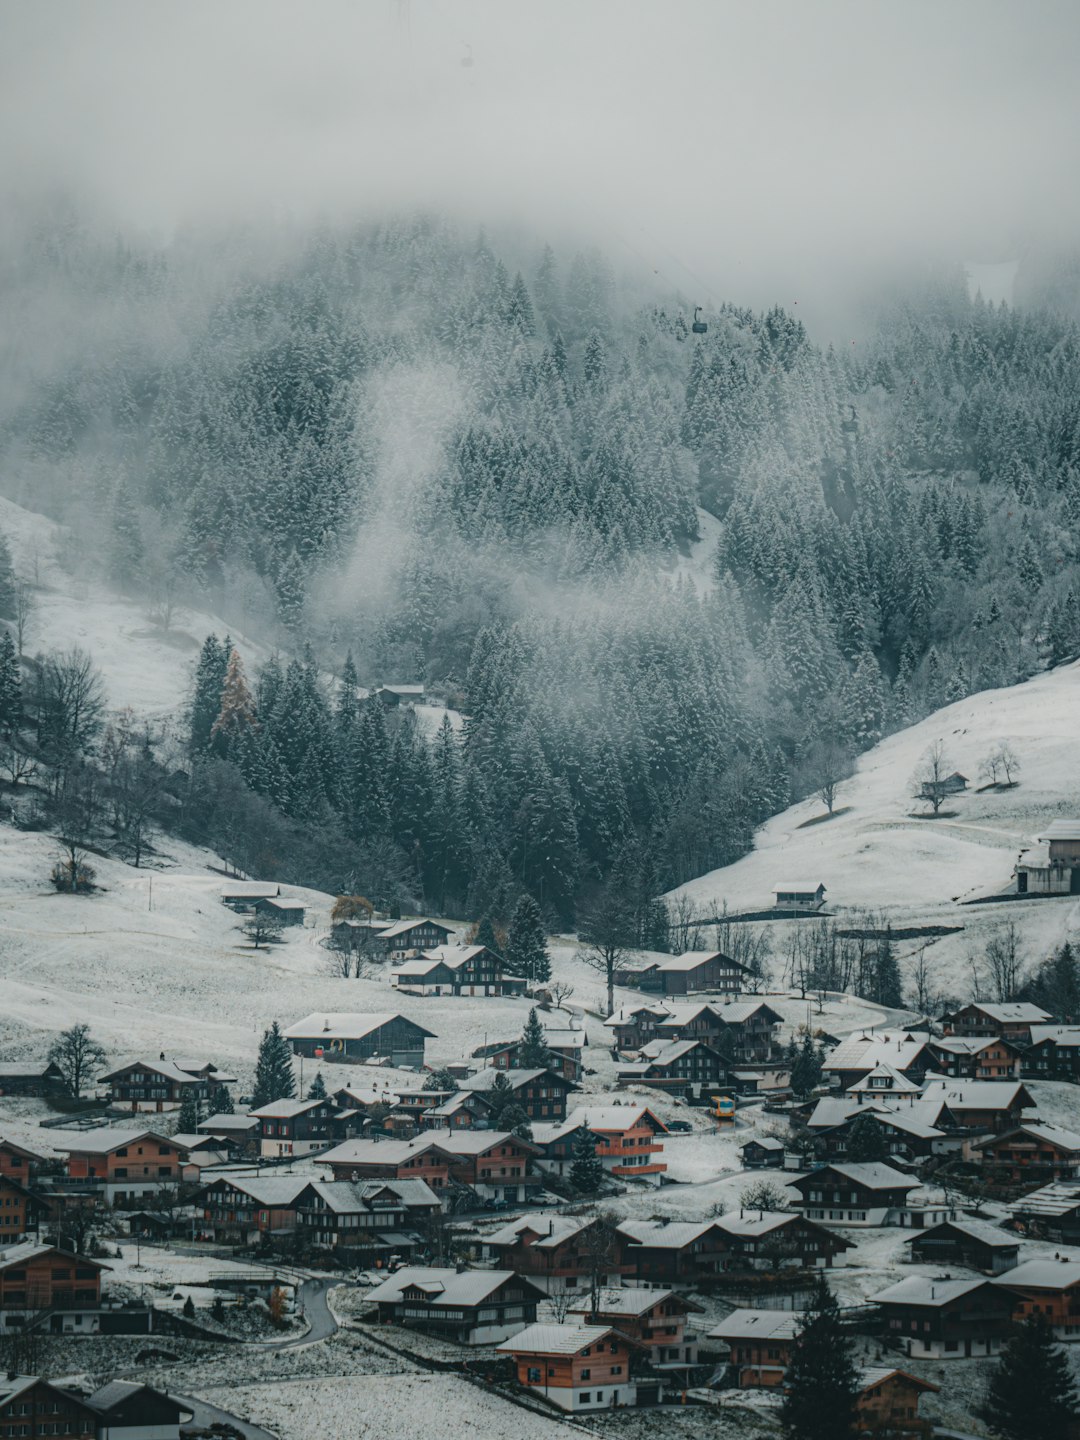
(532, 1375)
(586, 1374)
(585, 1398)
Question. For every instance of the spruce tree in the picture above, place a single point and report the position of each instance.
(274, 1079)
(586, 1173)
(806, 1065)
(526, 946)
(888, 989)
(206, 701)
(223, 1101)
(485, 935)
(317, 1088)
(822, 1381)
(867, 1140)
(190, 1112)
(532, 1052)
(1032, 1392)
(7, 582)
(10, 686)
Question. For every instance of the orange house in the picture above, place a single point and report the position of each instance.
(1050, 1288)
(760, 1343)
(16, 1210)
(424, 1158)
(114, 1155)
(888, 1403)
(17, 1162)
(494, 1163)
(576, 1367)
(44, 1277)
(653, 1319)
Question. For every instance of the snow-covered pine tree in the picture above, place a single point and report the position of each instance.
(533, 1053)
(526, 945)
(274, 1078)
(586, 1173)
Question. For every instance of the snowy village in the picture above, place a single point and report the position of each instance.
(539, 721)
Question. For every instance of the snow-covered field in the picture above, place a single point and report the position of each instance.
(877, 854)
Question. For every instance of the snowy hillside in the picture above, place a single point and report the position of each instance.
(877, 852)
(146, 665)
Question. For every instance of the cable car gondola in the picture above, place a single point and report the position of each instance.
(699, 327)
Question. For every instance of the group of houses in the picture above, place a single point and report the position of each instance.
(119, 1410)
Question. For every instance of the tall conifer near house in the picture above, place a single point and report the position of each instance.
(822, 1382)
(533, 1053)
(1032, 1393)
(274, 1078)
(586, 1173)
(526, 945)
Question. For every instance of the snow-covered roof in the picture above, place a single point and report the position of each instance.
(1062, 830)
(554, 1339)
(756, 1324)
(104, 1140)
(402, 927)
(348, 1197)
(873, 1174)
(550, 1229)
(925, 1290)
(280, 903)
(479, 1142)
(961, 1095)
(249, 890)
(751, 1223)
(896, 1048)
(664, 1234)
(691, 959)
(444, 1287)
(871, 1375)
(32, 1070)
(1013, 1012)
(167, 1069)
(284, 1109)
(797, 887)
(385, 1152)
(1067, 1140)
(897, 1084)
(485, 1079)
(1056, 1034)
(267, 1190)
(345, 1025)
(766, 1142)
(1059, 1198)
(979, 1230)
(629, 1013)
(1060, 1274)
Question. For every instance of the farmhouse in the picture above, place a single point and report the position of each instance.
(760, 1345)
(295, 1127)
(654, 1319)
(351, 1036)
(1009, 1021)
(1031, 1153)
(978, 1057)
(1053, 866)
(971, 1243)
(635, 1025)
(776, 1240)
(888, 1403)
(129, 1411)
(401, 939)
(689, 1068)
(540, 1093)
(1050, 1288)
(698, 970)
(35, 1077)
(939, 1319)
(908, 1134)
(456, 970)
(26, 1396)
(240, 895)
(37, 1277)
(981, 1104)
(124, 1164)
(160, 1085)
(428, 1157)
(471, 1307)
(19, 1209)
(764, 1153)
(799, 895)
(17, 1161)
(1054, 1053)
(867, 1194)
(288, 912)
(905, 1052)
(239, 1132)
(1052, 1213)
(371, 1219)
(240, 1209)
(627, 1141)
(559, 1252)
(576, 1367)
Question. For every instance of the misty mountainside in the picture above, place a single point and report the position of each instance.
(395, 454)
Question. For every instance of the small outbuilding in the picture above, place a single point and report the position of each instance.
(799, 895)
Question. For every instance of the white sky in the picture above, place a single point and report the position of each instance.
(747, 149)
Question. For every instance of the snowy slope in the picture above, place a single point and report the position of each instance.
(146, 667)
(877, 853)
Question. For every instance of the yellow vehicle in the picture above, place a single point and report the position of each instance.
(723, 1109)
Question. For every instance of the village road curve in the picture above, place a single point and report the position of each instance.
(206, 1415)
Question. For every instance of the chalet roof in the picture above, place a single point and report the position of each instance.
(15, 1149)
(402, 927)
(345, 1025)
(872, 1375)
(898, 1084)
(485, 1079)
(797, 887)
(631, 1300)
(969, 1044)
(1055, 1034)
(1060, 1139)
(29, 1070)
(565, 1037)
(225, 1124)
(350, 1197)
(117, 1392)
(978, 1230)
(452, 1105)
(167, 1069)
(737, 1012)
(400, 689)
(1062, 830)
(27, 1250)
(608, 1119)
(478, 1142)
(663, 1052)
(1060, 1274)
(386, 1152)
(285, 1109)
(755, 1324)
(765, 1142)
(1013, 1012)
(279, 902)
(872, 1175)
(926, 1290)
(666, 1235)
(1060, 1198)
(554, 1339)
(104, 1140)
(249, 890)
(963, 1095)
(551, 1230)
(629, 1013)
(270, 1190)
(445, 1287)
(195, 1142)
(896, 1048)
(752, 1223)
(686, 1014)
(681, 964)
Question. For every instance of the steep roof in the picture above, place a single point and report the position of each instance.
(445, 1287)
(402, 927)
(899, 1049)
(1062, 830)
(349, 1197)
(555, 1339)
(691, 959)
(345, 1025)
(27, 1250)
(871, 1375)
(759, 1324)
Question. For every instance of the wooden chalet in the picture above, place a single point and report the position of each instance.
(122, 1165)
(744, 1029)
(556, 1251)
(1011, 1020)
(357, 1037)
(428, 1157)
(673, 1252)
(981, 1104)
(686, 1068)
(760, 1344)
(241, 1209)
(696, 972)
(850, 1194)
(35, 1077)
(366, 1221)
(1050, 1213)
(240, 895)
(635, 1025)
(766, 1153)
(906, 1052)
(888, 1404)
(798, 896)
(130, 1411)
(470, 1307)
(17, 1161)
(277, 907)
(772, 1240)
(627, 1141)
(1031, 1153)
(458, 1110)
(1054, 1053)
(943, 1319)
(456, 970)
(1050, 1288)
(20, 1210)
(576, 1367)
(160, 1085)
(402, 939)
(971, 1243)
(540, 1093)
(978, 1057)
(655, 1320)
(295, 1127)
(36, 1277)
(30, 1406)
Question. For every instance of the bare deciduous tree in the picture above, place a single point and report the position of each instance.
(559, 991)
(605, 932)
(1004, 962)
(828, 763)
(1002, 760)
(260, 928)
(929, 781)
(76, 1053)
